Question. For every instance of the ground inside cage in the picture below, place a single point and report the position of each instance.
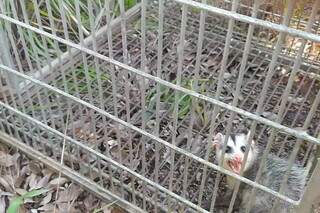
(122, 93)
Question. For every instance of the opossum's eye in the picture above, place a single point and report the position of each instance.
(228, 149)
(243, 148)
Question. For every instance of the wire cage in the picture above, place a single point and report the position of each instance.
(127, 102)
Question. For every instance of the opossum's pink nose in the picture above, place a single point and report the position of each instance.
(238, 158)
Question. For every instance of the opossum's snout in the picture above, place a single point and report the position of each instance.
(235, 164)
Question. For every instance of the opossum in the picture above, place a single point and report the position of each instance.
(272, 173)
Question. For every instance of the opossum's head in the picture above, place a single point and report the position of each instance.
(237, 144)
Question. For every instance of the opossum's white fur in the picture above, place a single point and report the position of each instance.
(272, 175)
(235, 141)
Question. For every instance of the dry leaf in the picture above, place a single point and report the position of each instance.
(112, 143)
(90, 202)
(211, 63)
(106, 210)
(66, 208)
(58, 181)
(116, 210)
(43, 182)
(19, 180)
(6, 160)
(109, 208)
(4, 182)
(34, 167)
(32, 181)
(47, 172)
(69, 194)
(48, 207)
(46, 199)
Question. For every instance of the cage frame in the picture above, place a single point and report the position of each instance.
(133, 13)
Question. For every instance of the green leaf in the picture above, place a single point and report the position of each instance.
(15, 205)
(129, 3)
(97, 210)
(183, 111)
(34, 193)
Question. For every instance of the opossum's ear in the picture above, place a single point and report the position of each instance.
(217, 140)
(248, 134)
(247, 138)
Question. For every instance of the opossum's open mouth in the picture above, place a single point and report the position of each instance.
(235, 165)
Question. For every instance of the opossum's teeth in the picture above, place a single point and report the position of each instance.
(235, 166)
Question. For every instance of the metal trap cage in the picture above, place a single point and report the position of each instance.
(128, 107)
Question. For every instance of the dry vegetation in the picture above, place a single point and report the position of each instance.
(28, 186)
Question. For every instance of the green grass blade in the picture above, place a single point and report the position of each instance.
(15, 205)
(34, 193)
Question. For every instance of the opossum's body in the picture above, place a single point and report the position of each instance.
(272, 176)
